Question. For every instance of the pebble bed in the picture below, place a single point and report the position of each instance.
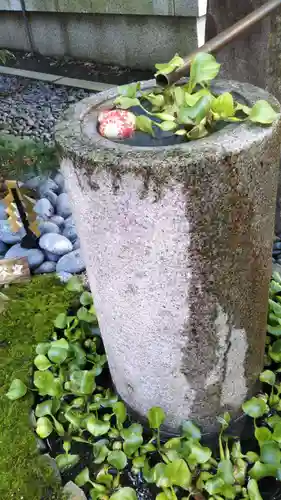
(30, 108)
(58, 246)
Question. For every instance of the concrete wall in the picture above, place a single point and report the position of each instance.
(125, 32)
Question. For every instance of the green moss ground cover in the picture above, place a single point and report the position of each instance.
(27, 320)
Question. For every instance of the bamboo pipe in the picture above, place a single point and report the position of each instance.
(219, 41)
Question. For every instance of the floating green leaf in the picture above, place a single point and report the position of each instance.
(259, 471)
(17, 390)
(120, 413)
(126, 102)
(199, 454)
(166, 68)
(44, 408)
(61, 321)
(42, 348)
(82, 382)
(156, 417)
(262, 435)
(190, 430)
(84, 315)
(253, 490)
(204, 68)
(144, 124)
(268, 377)
(124, 494)
(132, 439)
(270, 453)
(223, 105)
(179, 473)
(58, 351)
(255, 407)
(83, 478)
(66, 461)
(44, 427)
(47, 384)
(97, 427)
(225, 471)
(262, 112)
(117, 459)
(42, 363)
(275, 351)
(86, 299)
(74, 284)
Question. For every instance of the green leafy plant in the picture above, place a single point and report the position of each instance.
(77, 409)
(5, 55)
(190, 110)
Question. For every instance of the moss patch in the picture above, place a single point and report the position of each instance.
(28, 319)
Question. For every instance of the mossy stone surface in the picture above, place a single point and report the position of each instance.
(27, 320)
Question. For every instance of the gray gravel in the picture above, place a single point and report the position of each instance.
(31, 108)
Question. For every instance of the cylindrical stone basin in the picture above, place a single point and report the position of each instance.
(177, 242)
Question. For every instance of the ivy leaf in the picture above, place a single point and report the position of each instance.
(43, 427)
(126, 102)
(268, 377)
(179, 473)
(190, 430)
(83, 477)
(124, 494)
(42, 363)
(223, 105)
(61, 321)
(97, 427)
(166, 68)
(17, 390)
(204, 68)
(156, 417)
(84, 315)
(262, 112)
(255, 407)
(253, 490)
(144, 124)
(120, 413)
(117, 459)
(86, 299)
(74, 284)
(66, 461)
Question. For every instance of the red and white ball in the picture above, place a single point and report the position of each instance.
(117, 124)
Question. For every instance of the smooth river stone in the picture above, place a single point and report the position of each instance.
(63, 206)
(44, 208)
(46, 267)
(34, 256)
(7, 235)
(71, 263)
(55, 243)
